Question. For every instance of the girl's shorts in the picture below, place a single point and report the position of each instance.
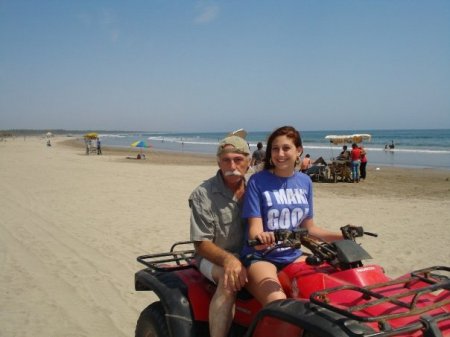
(248, 260)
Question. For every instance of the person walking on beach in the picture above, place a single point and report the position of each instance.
(355, 156)
(362, 168)
(217, 230)
(267, 210)
(99, 146)
(258, 155)
(86, 142)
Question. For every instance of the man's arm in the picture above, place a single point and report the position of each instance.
(210, 251)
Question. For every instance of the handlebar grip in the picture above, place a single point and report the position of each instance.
(253, 243)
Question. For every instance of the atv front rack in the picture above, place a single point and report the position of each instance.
(170, 261)
(400, 304)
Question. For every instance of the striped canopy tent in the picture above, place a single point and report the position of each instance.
(355, 138)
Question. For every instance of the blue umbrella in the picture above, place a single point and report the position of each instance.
(140, 143)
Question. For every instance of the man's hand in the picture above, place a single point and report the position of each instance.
(235, 274)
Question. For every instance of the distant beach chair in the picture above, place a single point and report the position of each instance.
(340, 170)
(318, 171)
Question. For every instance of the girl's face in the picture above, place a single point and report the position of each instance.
(284, 153)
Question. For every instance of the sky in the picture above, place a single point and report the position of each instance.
(199, 66)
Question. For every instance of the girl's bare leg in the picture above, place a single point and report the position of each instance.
(263, 282)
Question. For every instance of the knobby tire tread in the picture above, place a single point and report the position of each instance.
(152, 322)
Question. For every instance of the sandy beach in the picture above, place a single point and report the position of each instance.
(72, 225)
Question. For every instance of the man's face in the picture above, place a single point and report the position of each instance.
(233, 166)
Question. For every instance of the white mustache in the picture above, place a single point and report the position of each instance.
(232, 173)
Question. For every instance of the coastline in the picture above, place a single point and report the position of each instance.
(391, 178)
(72, 227)
(157, 157)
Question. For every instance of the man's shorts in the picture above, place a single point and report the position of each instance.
(205, 268)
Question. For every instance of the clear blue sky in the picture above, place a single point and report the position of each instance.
(220, 65)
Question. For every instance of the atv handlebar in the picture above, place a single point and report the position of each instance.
(321, 251)
(285, 238)
(350, 232)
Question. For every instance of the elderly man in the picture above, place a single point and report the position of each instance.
(217, 229)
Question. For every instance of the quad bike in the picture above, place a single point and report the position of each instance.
(330, 294)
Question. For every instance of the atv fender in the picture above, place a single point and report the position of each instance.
(316, 320)
(173, 295)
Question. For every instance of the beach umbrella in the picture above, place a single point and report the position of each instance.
(140, 143)
(49, 134)
(91, 135)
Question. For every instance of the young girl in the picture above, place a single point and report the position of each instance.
(279, 197)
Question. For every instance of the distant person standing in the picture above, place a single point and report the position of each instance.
(99, 146)
(362, 168)
(258, 155)
(355, 156)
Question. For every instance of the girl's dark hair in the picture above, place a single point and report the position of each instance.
(288, 131)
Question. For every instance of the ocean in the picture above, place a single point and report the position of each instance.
(413, 148)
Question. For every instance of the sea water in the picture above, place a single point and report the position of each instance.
(413, 148)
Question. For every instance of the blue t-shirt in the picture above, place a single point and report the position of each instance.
(281, 203)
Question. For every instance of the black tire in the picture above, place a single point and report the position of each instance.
(152, 322)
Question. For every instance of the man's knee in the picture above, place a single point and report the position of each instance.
(224, 291)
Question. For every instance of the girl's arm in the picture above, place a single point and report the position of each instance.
(321, 233)
(256, 231)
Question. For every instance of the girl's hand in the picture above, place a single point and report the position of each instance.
(266, 239)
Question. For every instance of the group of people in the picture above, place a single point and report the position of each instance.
(227, 210)
(358, 161)
(98, 145)
(389, 147)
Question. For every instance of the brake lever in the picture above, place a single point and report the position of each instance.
(371, 234)
(253, 243)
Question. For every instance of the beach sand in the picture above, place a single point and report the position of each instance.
(72, 225)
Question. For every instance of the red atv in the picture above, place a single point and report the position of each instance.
(331, 294)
